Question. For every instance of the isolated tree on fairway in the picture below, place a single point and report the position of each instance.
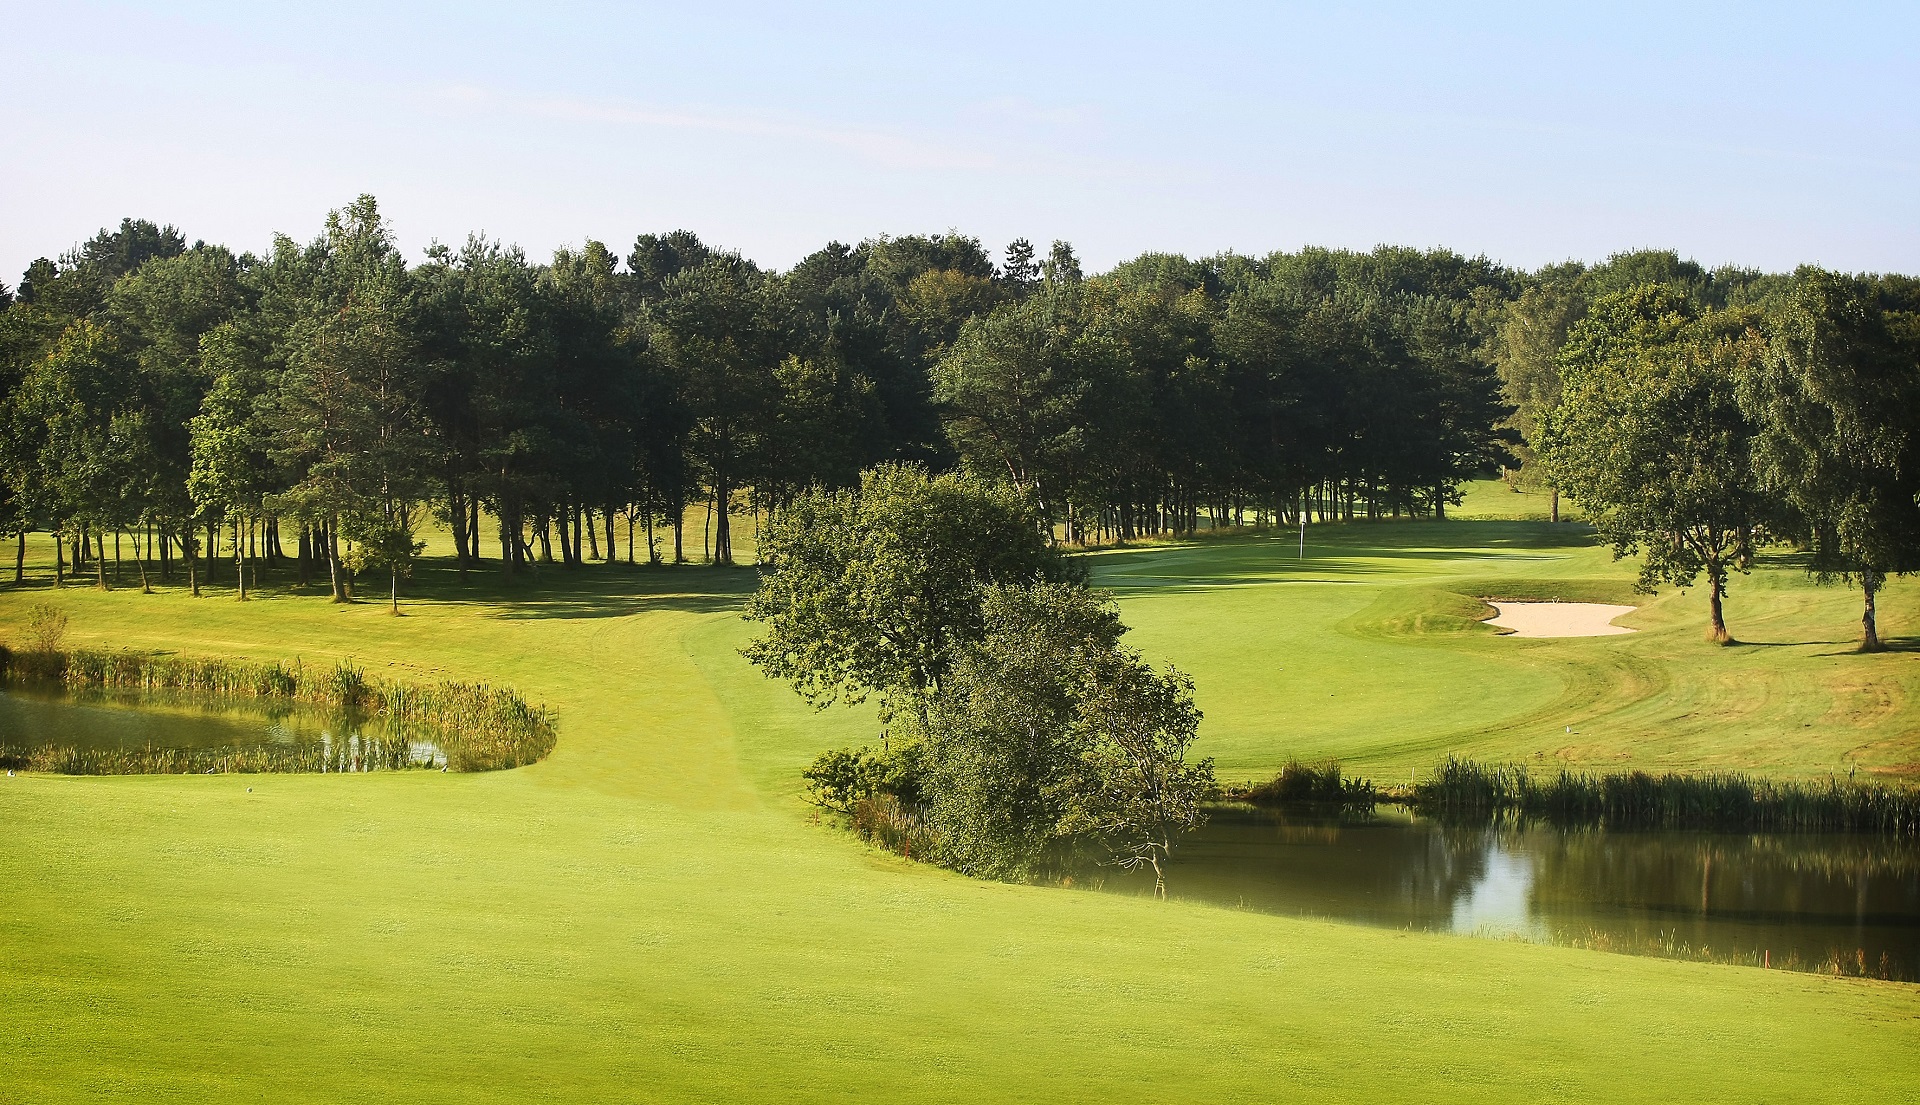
(1837, 400)
(1049, 737)
(871, 591)
(1650, 440)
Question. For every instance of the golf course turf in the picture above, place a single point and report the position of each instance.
(652, 914)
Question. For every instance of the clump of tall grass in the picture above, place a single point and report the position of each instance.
(1637, 799)
(883, 820)
(46, 627)
(478, 727)
(1308, 784)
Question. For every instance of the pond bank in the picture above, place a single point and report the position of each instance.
(367, 720)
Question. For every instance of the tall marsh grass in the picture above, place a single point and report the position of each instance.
(1668, 801)
(886, 822)
(1308, 784)
(477, 727)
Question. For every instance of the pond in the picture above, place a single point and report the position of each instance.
(1832, 902)
(104, 732)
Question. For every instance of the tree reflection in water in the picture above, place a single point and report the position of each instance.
(1832, 902)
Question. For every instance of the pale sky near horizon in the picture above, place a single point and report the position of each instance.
(1753, 134)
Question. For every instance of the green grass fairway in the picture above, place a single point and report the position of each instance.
(652, 915)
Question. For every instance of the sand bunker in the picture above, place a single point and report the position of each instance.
(1559, 619)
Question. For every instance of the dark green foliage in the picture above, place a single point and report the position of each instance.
(1670, 800)
(871, 591)
(1049, 739)
(1837, 399)
(842, 778)
(1309, 784)
(1650, 439)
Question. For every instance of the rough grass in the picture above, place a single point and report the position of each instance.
(648, 914)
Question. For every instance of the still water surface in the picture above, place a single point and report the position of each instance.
(100, 725)
(1825, 902)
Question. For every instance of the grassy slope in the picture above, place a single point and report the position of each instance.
(650, 915)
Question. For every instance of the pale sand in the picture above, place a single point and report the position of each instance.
(1559, 619)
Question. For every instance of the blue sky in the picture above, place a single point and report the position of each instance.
(1752, 134)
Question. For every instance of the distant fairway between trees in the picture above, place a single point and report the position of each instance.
(648, 913)
(1371, 651)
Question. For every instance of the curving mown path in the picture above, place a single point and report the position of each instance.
(651, 915)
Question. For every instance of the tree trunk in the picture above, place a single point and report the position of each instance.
(567, 556)
(306, 553)
(20, 558)
(330, 540)
(1716, 589)
(100, 562)
(473, 527)
(457, 518)
(706, 532)
(187, 544)
(239, 562)
(508, 544)
(612, 554)
(722, 525)
(146, 587)
(1553, 504)
(1869, 584)
(679, 524)
(593, 535)
(393, 591)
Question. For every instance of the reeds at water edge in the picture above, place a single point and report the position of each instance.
(1307, 784)
(1671, 800)
(477, 727)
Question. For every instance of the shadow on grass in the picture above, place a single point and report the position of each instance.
(589, 591)
(1342, 552)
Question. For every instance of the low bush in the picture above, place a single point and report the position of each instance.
(1299, 783)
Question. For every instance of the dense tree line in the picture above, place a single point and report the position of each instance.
(317, 403)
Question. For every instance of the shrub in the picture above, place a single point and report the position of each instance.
(46, 628)
(1306, 783)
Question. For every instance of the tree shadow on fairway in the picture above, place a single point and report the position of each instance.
(1352, 552)
(597, 591)
(589, 591)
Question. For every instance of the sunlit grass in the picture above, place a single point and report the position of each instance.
(650, 913)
